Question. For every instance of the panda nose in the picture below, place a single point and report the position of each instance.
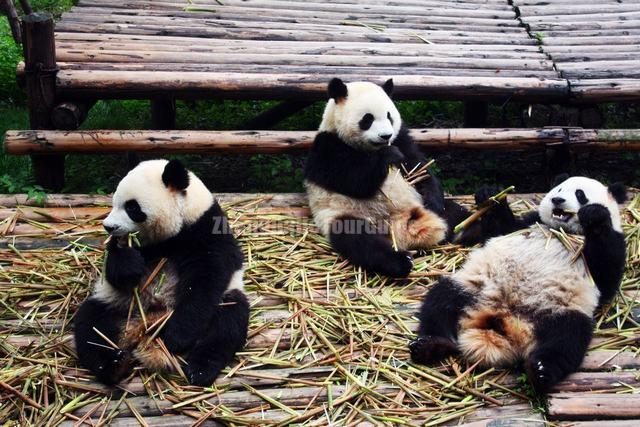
(110, 229)
(557, 201)
(385, 136)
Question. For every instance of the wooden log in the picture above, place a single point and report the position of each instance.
(223, 20)
(70, 115)
(348, 73)
(286, 45)
(30, 142)
(601, 423)
(9, 10)
(40, 60)
(248, 59)
(585, 406)
(134, 84)
(257, 6)
(588, 381)
(160, 421)
(604, 90)
(335, 34)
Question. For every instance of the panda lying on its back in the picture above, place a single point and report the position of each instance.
(524, 296)
(177, 219)
(357, 195)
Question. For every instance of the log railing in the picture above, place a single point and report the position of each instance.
(250, 142)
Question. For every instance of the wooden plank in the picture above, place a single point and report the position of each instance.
(588, 381)
(347, 73)
(601, 90)
(292, 34)
(585, 406)
(30, 142)
(249, 59)
(132, 84)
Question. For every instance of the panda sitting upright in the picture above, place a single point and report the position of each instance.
(525, 297)
(196, 306)
(359, 198)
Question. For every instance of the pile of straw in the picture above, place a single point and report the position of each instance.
(328, 342)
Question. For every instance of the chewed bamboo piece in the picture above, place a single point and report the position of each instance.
(484, 208)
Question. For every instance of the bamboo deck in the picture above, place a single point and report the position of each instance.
(594, 45)
(327, 342)
(287, 49)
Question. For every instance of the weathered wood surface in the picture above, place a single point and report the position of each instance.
(358, 379)
(288, 49)
(251, 141)
(593, 45)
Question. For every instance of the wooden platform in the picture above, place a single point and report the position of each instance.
(288, 49)
(593, 44)
(327, 342)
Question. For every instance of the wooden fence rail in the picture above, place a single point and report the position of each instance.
(249, 142)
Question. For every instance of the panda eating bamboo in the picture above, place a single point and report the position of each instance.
(179, 294)
(526, 296)
(358, 194)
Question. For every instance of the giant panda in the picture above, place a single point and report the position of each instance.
(358, 196)
(525, 297)
(196, 305)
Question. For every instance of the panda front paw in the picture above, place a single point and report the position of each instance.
(429, 349)
(487, 192)
(398, 265)
(391, 155)
(594, 218)
(542, 374)
(113, 367)
(202, 375)
(125, 267)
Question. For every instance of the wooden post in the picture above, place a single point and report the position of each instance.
(70, 115)
(475, 114)
(26, 7)
(163, 113)
(40, 68)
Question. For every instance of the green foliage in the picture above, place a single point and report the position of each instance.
(10, 55)
(276, 173)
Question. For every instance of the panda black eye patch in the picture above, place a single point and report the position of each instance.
(581, 197)
(389, 117)
(366, 121)
(132, 208)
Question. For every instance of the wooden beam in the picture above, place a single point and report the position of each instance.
(271, 142)
(40, 64)
(585, 406)
(70, 115)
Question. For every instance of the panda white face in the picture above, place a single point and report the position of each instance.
(156, 199)
(362, 114)
(559, 208)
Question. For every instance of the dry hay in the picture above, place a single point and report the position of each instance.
(328, 343)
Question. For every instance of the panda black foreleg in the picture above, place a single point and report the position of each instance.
(227, 334)
(604, 249)
(562, 340)
(124, 266)
(439, 317)
(354, 239)
(108, 364)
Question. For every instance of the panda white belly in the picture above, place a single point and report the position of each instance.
(392, 205)
(513, 278)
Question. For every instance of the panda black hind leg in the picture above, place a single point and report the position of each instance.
(352, 239)
(439, 317)
(107, 363)
(561, 342)
(226, 335)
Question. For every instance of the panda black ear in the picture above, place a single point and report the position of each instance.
(618, 191)
(388, 87)
(337, 89)
(559, 179)
(175, 176)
